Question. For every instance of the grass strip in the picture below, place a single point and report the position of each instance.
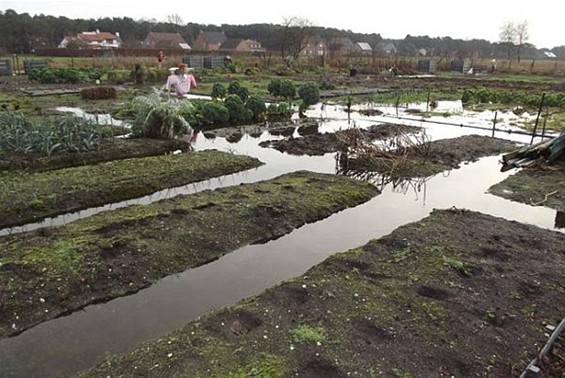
(27, 197)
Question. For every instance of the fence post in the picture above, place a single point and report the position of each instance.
(544, 122)
(494, 123)
(537, 118)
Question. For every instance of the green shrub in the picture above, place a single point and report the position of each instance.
(327, 86)
(282, 88)
(212, 113)
(238, 113)
(237, 89)
(257, 107)
(310, 95)
(73, 75)
(218, 91)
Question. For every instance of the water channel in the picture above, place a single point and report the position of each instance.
(63, 346)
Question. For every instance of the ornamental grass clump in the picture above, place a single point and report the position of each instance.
(162, 119)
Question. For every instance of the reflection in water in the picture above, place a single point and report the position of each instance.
(400, 185)
(560, 219)
(68, 344)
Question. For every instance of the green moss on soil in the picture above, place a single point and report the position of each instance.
(457, 294)
(108, 150)
(28, 197)
(53, 271)
(531, 185)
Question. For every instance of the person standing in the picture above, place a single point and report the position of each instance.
(182, 80)
(188, 80)
(160, 58)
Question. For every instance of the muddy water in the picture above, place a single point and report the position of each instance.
(68, 344)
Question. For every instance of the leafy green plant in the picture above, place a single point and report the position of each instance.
(279, 112)
(305, 333)
(211, 114)
(218, 91)
(238, 113)
(310, 95)
(48, 75)
(237, 89)
(458, 265)
(257, 107)
(46, 136)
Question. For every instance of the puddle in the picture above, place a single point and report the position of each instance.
(101, 119)
(68, 344)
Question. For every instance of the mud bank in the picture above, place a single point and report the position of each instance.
(457, 294)
(54, 271)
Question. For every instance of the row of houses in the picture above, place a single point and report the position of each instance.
(206, 41)
(217, 41)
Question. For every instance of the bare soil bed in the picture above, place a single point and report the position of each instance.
(456, 294)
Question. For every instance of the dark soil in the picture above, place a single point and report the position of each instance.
(456, 294)
(54, 271)
(428, 160)
(553, 363)
(320, 144)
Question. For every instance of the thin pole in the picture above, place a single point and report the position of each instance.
(545, 121)
(494, 123)
(537, 118)
(428, 102)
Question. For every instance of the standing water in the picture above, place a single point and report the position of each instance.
(68, 344)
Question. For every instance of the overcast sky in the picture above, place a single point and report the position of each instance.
(480, 19)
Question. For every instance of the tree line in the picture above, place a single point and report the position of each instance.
(22, 33)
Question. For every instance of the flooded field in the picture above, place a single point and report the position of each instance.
(80, 340)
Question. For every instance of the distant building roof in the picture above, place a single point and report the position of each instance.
(549, 54)
(214, 37)
(165, 40)
(96, 36)
(364, 46)
(230, 44)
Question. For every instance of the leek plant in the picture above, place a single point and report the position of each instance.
(46, 136)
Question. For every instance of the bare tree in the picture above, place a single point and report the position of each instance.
(508, 38)
(521, 35)
(295, 35)
(175, 19)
